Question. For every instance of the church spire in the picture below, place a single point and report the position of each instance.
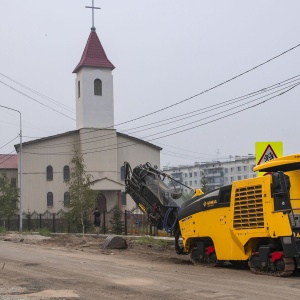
(93, 8)
(94, 54)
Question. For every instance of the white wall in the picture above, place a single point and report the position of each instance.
(93, 110)
(36, 158)
(104, 155)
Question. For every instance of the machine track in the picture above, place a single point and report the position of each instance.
(288, 264)
(208, 260)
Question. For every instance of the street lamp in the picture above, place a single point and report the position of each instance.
(20, 163)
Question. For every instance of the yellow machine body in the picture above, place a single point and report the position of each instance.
(236, 219)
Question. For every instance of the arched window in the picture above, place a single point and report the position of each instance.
(49, 173)
(123, 198)
(98, 87)
(66, 172)
(66, 199)
(122, 173)
(49, 199)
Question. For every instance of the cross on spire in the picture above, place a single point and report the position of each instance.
(93, 8)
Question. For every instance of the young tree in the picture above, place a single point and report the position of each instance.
(82, 197)
(116, 221)
(9, 197)
(204, 186)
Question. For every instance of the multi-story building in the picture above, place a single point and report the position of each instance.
(214, 173)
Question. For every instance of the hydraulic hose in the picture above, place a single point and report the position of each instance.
(165, 221)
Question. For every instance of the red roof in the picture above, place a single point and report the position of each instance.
(94, 54)
(8, 161)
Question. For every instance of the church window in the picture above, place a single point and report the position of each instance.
(123, 198)
(78, 88)
(66, 199)
(122, 173)
(98, 87)
(49, 173)
(49, 199)
(66, 173)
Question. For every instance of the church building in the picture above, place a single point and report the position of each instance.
(46, 161)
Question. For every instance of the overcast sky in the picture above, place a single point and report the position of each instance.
(164, 52)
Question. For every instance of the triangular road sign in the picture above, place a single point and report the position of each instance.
(267, 155)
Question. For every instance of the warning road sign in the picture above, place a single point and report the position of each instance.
(266, 151)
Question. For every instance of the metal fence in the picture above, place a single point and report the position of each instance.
(132, 224)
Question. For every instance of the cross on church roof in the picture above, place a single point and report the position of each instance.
(93, 7)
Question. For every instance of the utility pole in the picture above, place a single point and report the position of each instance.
(20, 164)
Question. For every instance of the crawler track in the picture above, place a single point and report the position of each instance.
(289, 267)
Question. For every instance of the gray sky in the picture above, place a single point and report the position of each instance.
(164, 52)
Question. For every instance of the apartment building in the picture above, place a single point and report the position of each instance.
(215, 173)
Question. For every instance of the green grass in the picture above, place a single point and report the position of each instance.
(150, 240)
(44, 232)
(2, 229)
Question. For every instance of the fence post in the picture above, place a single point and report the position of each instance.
(125, 223)
(53, 218)
(18, 223)
(104, 228)
(40, 221)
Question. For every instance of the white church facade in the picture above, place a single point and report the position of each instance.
(46, 161)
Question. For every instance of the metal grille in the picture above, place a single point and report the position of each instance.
(248, 208)
(295, 220)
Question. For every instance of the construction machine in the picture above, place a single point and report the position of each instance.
(253, 222)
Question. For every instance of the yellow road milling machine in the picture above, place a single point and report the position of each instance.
(253, 222)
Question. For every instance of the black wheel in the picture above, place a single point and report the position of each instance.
(279, 265)
(194, 256)
(212, 259)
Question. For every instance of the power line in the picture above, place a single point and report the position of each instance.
(146, 115)
(195, 113)
(160, 137)
(254, 105)
(9, 154)
(212, 88)
(279, 86)
(40, 94)
(9, 142)
(182, 101)
(36, 100)
(222, 112)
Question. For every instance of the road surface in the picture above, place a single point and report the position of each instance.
(43, 272)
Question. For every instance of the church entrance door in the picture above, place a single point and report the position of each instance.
(101, 202)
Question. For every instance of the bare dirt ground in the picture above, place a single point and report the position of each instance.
(92, 243)
(77, 267)
(68, 243)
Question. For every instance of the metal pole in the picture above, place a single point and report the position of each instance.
(20, 163)
(21, 211)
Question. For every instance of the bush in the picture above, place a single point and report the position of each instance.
(2, 229)
(44, 232)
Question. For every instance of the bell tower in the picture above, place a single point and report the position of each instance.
(94, 86)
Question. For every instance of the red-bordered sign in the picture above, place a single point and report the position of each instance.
(268, 154)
